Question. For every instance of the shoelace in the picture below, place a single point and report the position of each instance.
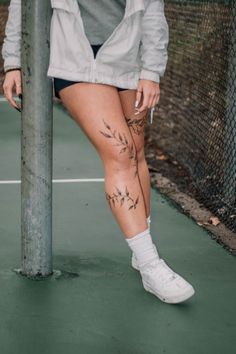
(166, 274)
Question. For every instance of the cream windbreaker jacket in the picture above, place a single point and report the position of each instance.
(137, 48)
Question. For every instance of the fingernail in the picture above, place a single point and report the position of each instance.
(20, 96)
(18, 109)
(136, 104)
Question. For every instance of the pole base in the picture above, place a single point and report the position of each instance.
(55, 275)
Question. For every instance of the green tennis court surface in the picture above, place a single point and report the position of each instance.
(98, 305)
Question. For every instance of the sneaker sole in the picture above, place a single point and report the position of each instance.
(136, 268)
(174, 300)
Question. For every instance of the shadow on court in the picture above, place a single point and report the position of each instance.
(98, 304)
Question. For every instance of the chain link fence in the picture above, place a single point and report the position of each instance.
(197, 121)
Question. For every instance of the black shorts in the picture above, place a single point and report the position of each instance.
(61, 83)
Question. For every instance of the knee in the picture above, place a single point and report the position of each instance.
(123, 158)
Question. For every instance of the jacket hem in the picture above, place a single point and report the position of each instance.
(127, 80)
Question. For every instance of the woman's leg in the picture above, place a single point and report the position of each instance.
(98, 111)
(136, 124)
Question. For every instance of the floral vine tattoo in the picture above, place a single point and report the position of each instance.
(136, 124)
(121, 197)
(122, 141)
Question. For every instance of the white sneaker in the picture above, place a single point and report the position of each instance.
(159, 279)
(134, 262)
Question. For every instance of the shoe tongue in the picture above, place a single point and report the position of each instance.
(165, 273)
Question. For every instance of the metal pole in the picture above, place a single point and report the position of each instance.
(36, 141)
(230, 136)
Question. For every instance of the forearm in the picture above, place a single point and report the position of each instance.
(154, 42)
(11, 49)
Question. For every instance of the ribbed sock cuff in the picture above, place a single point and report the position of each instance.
(138, 236)
(142, 246)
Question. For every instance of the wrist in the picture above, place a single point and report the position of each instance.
(149, 75)
(12, 69)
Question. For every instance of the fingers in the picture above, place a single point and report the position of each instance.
(145, 103)
(138, 97)
(19, 92)
(12, 81)
(149, 101)
(151, 95)
(155, 100)
(9, 97)
(18, 88)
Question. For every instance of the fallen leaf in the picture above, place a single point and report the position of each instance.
(162, 157)
(214, 220)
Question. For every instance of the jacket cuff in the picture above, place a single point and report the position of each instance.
(12, 69)
(149, 75)
(11, 62)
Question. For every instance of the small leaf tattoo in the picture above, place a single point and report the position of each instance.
(123, 142)
(121, 197)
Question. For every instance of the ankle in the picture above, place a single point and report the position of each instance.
(143, 248)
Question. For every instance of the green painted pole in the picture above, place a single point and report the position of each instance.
(36, 141)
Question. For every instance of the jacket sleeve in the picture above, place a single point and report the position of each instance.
(154, 41)
(11, 49)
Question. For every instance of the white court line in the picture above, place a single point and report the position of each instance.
(3, 99)
(75, 180)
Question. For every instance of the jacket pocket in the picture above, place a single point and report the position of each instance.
(66, 5)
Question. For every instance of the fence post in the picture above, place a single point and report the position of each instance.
(36, 141)
(230, 136)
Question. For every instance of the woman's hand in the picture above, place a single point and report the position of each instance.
(150, 90)
(12, 81)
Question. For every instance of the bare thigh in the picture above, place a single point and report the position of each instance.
(98, 110)
(136, 123)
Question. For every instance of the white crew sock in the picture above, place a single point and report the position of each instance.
(143, 248)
